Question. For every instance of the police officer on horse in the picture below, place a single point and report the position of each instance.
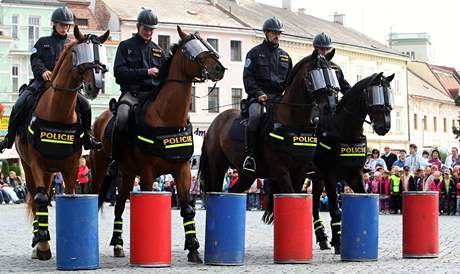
(45, 53)
(136, 69)
(265, 72)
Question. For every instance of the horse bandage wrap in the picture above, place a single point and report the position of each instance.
(55, 140)
(174, 144)
(350, 154)
(40, 226)
(301, 145)
(117, 231)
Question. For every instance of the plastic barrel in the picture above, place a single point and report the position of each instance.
(225, 228)
(150, 234)
(360, 227)
(420, 224)
(292, 228)
(77, 237)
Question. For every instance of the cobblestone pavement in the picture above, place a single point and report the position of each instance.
(15, 250)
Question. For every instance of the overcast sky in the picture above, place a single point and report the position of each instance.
(440, 19)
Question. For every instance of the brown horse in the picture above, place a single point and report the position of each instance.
(193, 59)
(284, 170)
(56, 111)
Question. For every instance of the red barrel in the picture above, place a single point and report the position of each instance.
(150, 244)
(420, 224)
(293, 228)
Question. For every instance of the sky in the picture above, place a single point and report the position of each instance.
(377, 19)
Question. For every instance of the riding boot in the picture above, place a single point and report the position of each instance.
(89, 141)
(113, 166)
(16, 119)
(250, 143)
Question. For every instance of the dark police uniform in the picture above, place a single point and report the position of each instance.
(45, 53)
(344, 85)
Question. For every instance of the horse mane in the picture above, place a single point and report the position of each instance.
(357, 88)
(296, 69)
(67, 48)
(166, 64)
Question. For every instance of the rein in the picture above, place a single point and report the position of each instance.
(352, 114)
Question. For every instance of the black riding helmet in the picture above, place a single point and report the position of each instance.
(147, 18)
(322, 40)
(62, 15)
(273, 24)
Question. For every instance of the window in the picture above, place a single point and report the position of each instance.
(236, 97)
(164, 41)
(397, 83)
(415, 121)
(214, 43)
(359, 73)
(412, 55)
(14, 26)
(192, 102)
(34, 30)
(444, 122)
(15, 77)
(213, 100)
(398, 121)
(81, 22)
(235, 50)
(435, 124)
(425, 123)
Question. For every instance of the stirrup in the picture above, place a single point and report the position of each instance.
(249, 164)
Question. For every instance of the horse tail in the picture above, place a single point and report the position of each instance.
(106, 182)
(268, 216)
(203, 173)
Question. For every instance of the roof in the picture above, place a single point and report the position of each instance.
(417, 86)
(35, 2)
(448, 77)
(301, 25)
(196, 12)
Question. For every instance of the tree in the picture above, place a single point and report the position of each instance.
(456, 130)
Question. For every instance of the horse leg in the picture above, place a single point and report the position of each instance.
(334, 211)
(356, 181)
(244, 182)
(320, 233)
(39, 203)
(117, 240)
(187, 212)
(217, 166)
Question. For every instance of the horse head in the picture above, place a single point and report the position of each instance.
(380, 102)
(89, 61)
(202, 60)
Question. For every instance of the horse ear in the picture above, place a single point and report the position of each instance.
(390, 78)
(77, 33)
(330, 55)
(103, 37)
(182, 34)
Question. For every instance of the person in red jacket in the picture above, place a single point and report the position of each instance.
(384, 190)
(83, 177)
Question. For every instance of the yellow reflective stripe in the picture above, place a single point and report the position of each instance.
(339, 232)
(189, 223)
(35, 230)
(35, 221)
(82, 134)
(190, 232)
(145, 139)
(324, 145)
(45, 225)
(118, 230)
(56, 141)
(317, 221)
(319, 227)
(305, 144)
(118, 222)
(179, 145)
(41, 213)
(352, 154)
(30, 130)
(334, 224)
(276, 136)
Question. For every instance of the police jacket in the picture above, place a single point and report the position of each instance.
(134, 57)
(266, 70)
(45, 53)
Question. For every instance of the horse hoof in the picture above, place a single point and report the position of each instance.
(34, 253)
(194, 257)
(44, 255)
(324, 245)
(337, 250)
(118, 251)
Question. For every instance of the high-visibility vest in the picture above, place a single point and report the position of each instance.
(396, 183)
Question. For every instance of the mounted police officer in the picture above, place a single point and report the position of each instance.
(45, 53)
(323, 45)
(265, 73)
(136, 70)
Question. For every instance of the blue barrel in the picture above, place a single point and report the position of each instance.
(77, 237)
(360, 227)
(225, 228)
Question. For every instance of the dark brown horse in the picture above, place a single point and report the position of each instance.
(284, 171)
(193, 58)
(341, 152)
(56, 108)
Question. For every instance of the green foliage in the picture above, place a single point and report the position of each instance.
(15, 167)
(5, 168)
(457, 101)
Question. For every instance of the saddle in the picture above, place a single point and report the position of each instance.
(342, 153)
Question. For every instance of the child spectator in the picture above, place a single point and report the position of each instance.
(384, 190)
(395, 190)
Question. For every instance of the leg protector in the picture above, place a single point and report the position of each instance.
(40, 224)
(117, 231)
(336, 227)
(319, 231)
(188, 214)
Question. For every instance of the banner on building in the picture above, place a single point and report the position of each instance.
(4, 126)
